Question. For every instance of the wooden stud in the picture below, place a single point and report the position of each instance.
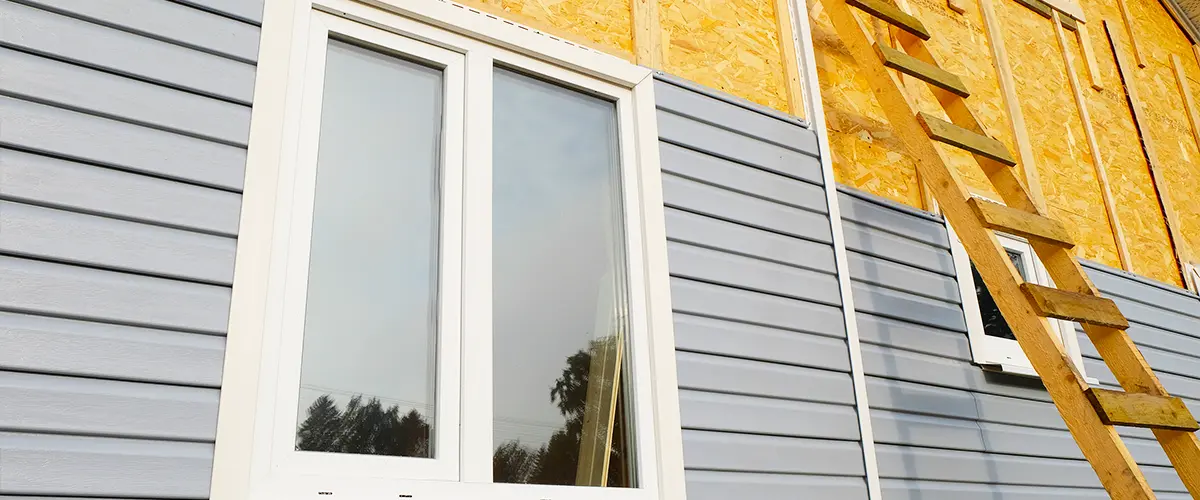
(1101, 445)
(1045, 10)
(1189, 102)
(916, 68)
(1174, 227)
(1021, 223)
(1089, 57)
(1142, 410)
(1012, 104)
(1110, 205)
(1070, 8)
(892, 15)
(957, 6)
(791, 59)
(1071, 306)
(647, 34)
(1127, 17)
(948, 133)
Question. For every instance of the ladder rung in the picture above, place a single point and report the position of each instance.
(892, 15)
(1021, 223)
(954, 135)
(1071, 306)
(917, 68)
(1142, 410)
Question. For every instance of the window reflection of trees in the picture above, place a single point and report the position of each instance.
(368, 428)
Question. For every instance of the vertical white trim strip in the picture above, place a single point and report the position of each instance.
(816, 117)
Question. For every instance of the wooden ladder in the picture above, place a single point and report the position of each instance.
(1090, 413)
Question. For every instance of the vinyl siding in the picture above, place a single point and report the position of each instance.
(765, 390)
(123, 128)
(944, 428)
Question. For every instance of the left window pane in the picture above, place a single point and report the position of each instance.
(367, 383)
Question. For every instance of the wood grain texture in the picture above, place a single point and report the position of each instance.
(647, 34)
(1071, 306)
(1142, 410)
(948, 133)
(1174, 225)
(892, 15)
(1127, 18)
(1099, 443)
(916, 68)
(790, 56)
(1110, 207)
(1021, 223)
(1089, 57)
(994, 31)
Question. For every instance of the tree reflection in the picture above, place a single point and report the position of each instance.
(364, 429)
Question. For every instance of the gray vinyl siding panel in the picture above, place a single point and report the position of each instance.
(946, 429)
(123, 127)
(766, 397)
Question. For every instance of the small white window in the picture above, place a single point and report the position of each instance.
(993, 344)
(466, 293)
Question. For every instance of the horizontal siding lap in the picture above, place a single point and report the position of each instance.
(69, 291)
(685, 102)
(239, 9)
(720, 451)
(737, 239)
(894, 221)
(715, 485)
(866, 269)
(713, 373)
(32, 464)
(46, 181)
(86, 349)
(908, 307)
(741, 340)
(114, 244)
(96, 92)
(713, 266)
(756, 415)
(895, 248)
(85, 137)
(709, 300)
(736, 207)
(695, 165)
(97, 46)
(41, 403)
(167, 21)
(736, 147)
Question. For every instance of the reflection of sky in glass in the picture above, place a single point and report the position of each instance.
(554, 175)
(369, 323)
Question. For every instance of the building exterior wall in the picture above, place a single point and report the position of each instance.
(123, 128)
(766, 395)
(946, 429)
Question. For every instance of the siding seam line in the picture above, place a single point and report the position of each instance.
(807, 60)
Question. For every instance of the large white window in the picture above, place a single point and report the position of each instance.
(462, 283)
(993, 344)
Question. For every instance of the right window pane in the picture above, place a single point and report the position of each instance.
(560, 323)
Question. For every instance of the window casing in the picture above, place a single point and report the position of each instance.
(991, 346)
(457, 402)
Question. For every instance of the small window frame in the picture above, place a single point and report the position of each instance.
(255, 456)
(995, 353)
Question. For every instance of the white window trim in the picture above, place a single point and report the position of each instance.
(998, 354)
(243, 455)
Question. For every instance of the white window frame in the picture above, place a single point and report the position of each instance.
(254, 457)
(1000, 354)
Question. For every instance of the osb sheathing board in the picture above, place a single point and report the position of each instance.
(1055, 131)
(865, 152)
(602, 24)
(1179, 159)
(730, 45)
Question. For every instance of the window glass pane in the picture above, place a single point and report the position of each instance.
(993, 322)
(367, 379)
(559, 293)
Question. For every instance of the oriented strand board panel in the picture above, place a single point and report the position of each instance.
(1056, 132)
(601, 24)
(1129, 175)
(1169, 127)
(729, 45)
(865, 152)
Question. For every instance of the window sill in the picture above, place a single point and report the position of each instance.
(1024, 371)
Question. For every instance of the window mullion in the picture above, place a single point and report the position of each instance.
(477, 272)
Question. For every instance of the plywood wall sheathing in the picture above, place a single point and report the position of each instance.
(1159, 181)
(729, 45)
(601, 24)
(1110, 208)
